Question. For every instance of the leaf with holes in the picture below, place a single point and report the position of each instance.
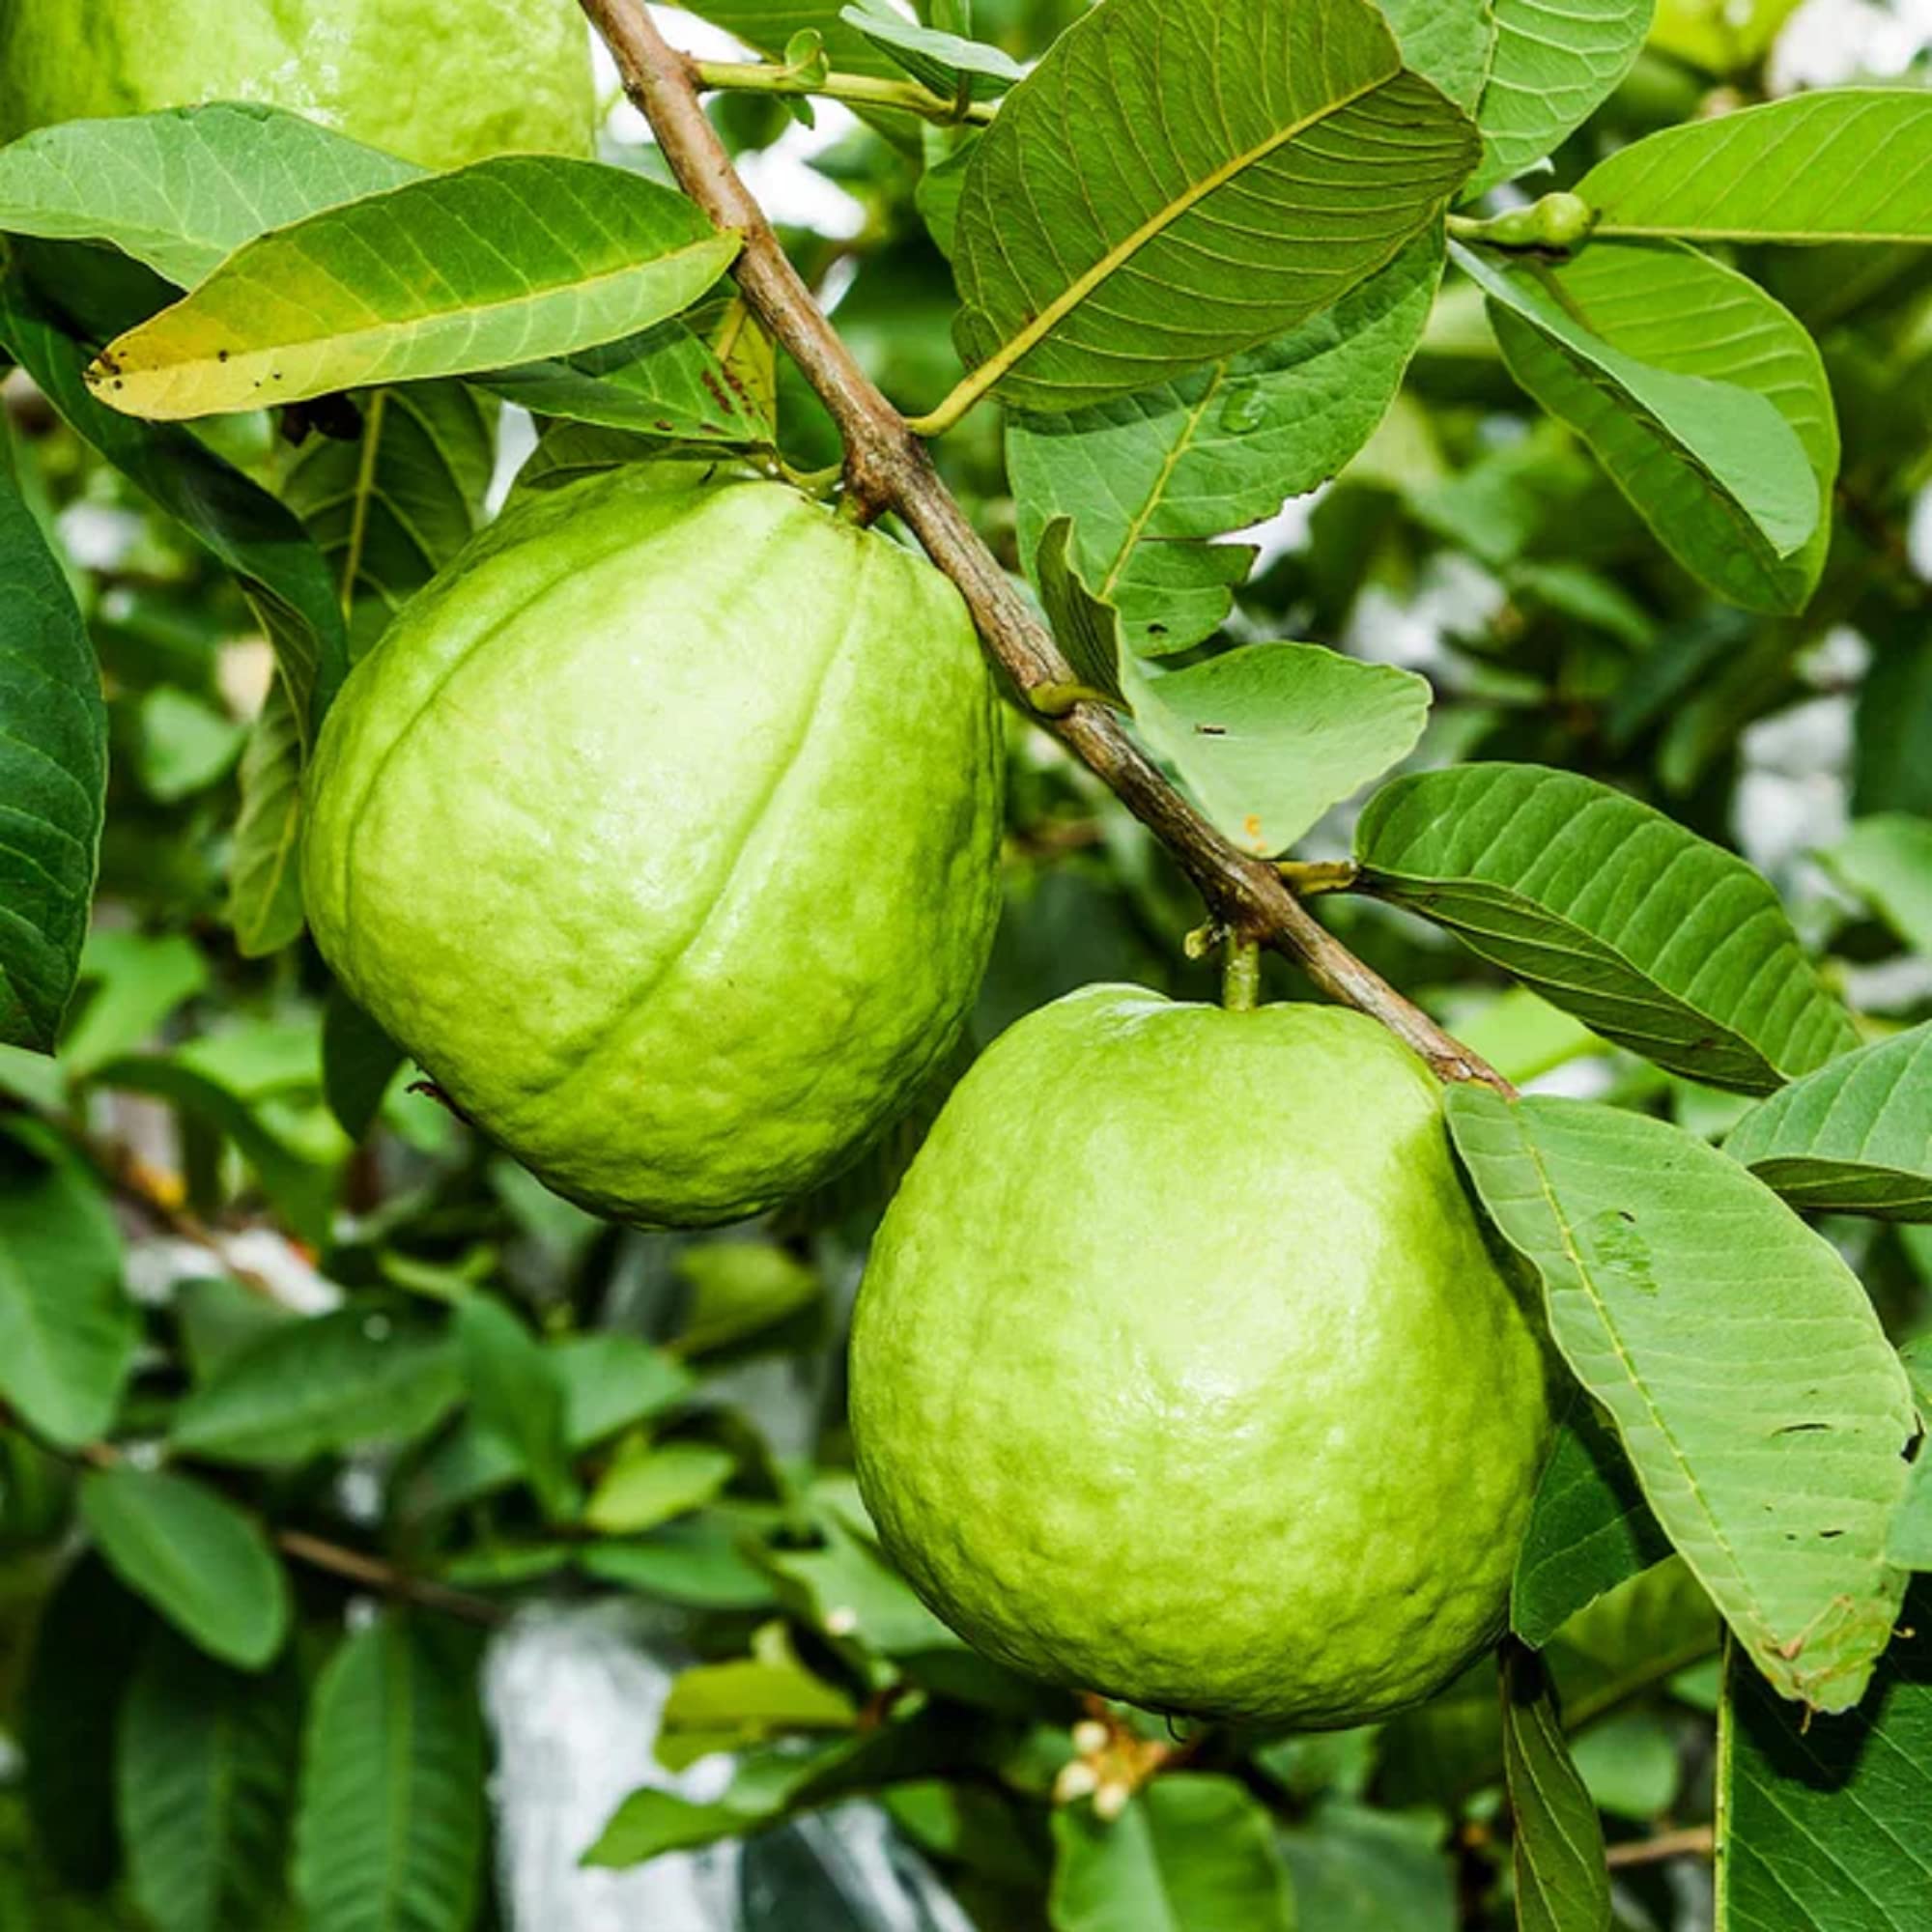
(1150, 479)
(53, 778)
(1704, 399)
(1555, 64)
(194, 1557)
(205, 1770)
(1841, 164)
(391, 1827)
(1855, 1137)
(181, 189)
(503, 262)
(1824, 1821)
(1556, 1843)
(1654, 938)
(1759, 1403)
(1181, 179)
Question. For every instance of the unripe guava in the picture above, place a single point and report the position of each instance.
(439, 82)
(1181, 1371)
(661, 830)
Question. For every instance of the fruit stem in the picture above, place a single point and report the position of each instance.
(1242, 975)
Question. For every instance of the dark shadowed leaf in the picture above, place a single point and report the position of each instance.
(1556, 1844)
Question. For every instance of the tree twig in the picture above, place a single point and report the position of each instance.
(1694, 1841)
(887, 466)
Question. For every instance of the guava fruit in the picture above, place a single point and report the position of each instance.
(438, 82)
(1180, 1371)
(661, 830)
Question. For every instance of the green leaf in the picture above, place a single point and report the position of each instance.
(204, 1565)
(1703, 398)
(1841, 164)
(1268, 736)
(1179, 180)
(1763, 1411)
(390, 507)
(647, 1483)
(1562, 1883)
(87, 1641)
(134, 981)
(53, 778)
(1358, 1871)
(519, 1399)
(1148, 479)
(938, 61)
(67, 1331)
(247, 531)
(1909, 1543)
(698, 1562)
(1555, 63)
(752, 1697)
(181, 189)
(206, 1772)
(1825, 1823)
(847, 1590)
(1189, 1853)
(508, 261)
(1589, 1529)
(739, 1289)
(263, 907)
(335, 1382)
(359, 1061)
(1887, 859)
(1855, 1137)
(1448, 41)
(390, 1830)
(1671, 946)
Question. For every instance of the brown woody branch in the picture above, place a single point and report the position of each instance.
(887, 466)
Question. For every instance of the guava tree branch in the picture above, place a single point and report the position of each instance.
(887, 466)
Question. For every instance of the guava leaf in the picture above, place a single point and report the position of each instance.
(194, 1557)
(1759, 1403)
(53, 779)
(1554, 64)
(1150, 478)
(390, 1828)
(1703, 398)
(1841, 164)
(940, 62)
(1824, 1821)
(181, 189)
(1853, 1138)
(649, 1484)
(359, 1061)
(263, 907)
(1562, 1883)
(1887, 859)
(508, 261)
(1198, 1852)
(1589, 1528)
(1448, 41)
(1652, 937)
(1179, 180)
(519, 1399)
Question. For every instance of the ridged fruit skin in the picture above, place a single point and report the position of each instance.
(661, 830)
(1181, 1373)
(438, 82)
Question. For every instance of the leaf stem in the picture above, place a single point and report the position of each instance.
(860, 90)
(1242, 975)
(887, 464)
(1310, 876)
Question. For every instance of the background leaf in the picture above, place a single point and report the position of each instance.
(181, 189)
(1887, 859)
(1562, 1883)
(1103, 245)
(205, 1770)
(194, 1557)
(1189, 1853)
(67, 1331)
(263, 907)
(1149, 478)
(1844, 163)
(1759, 1403)
(390, 1829)
(1824, 1821)
(53, 778)
(1553, 65)
(519, 1399)
(1855, 1137)
(416, 282)
(1666, 944)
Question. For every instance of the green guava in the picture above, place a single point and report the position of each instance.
(436, 82)
(1182, 1371)
(661, 830)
